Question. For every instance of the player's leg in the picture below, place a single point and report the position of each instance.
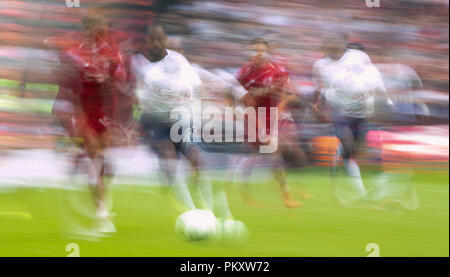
(105, 168)
(108, 168)
(359, 128)
(347, 139)
(94, 143)
(245, 168)
(202, 185)
(392, 186)
(212, 197)
(157, 136)
(242, 167)
(173, 173)
(279, 173)
(91, 146)
(293, 156)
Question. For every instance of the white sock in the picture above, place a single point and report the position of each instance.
(93, 172)
(206, 191)
(102, 211)
(221, 200)
(353, 171)
(180, 187)
(244, 169)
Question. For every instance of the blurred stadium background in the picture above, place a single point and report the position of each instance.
(414, 33)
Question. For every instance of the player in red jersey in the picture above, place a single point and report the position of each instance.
(267, 83)
(93, 77)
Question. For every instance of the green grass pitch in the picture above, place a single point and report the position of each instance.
(32, 223)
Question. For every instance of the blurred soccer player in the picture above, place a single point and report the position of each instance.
(166, 81)
(346, 79)
(267, 83)
(92, 73)
(393, 186)
(400, 81)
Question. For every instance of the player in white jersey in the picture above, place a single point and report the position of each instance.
(393, 187)
(346, 80)
(165, 81)
(220, 90)
(399, 80)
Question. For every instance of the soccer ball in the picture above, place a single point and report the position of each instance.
(234, 231)
(197, 225)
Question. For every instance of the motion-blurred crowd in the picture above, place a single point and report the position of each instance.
(212, 34)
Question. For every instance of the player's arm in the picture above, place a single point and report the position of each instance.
(318, 83)
(67, 105)
(413, 77)
(133, 69)
(319, 105)
(379, 89)
(123, 94)
(235, 91)
(248, 98)
(189, 76)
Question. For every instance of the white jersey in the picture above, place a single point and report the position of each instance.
(217, 82)
(165, 84)
(349, 83)
(399, 80)
(317, 68)
(216, 88)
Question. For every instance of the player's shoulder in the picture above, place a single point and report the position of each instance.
(397, 70)
(137, 60)
(278, 65)
(405, 69)
(279, 60)
(137, 56)
(355, 55)
(204, 74)
(176, 56)
(243, 70)
(118, 36)
(73, 47)
(73, 53)
(280, 69)
(322, 62)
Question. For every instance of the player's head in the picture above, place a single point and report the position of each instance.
(95, 26)
(355, 45)
(334, 46)
(259, 47)
(156, 40)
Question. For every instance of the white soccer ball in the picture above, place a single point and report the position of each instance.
(234, 231)
(197, 225)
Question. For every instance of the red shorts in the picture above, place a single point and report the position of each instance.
(95, 124)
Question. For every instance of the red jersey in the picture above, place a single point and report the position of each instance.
(270, 77)
(97, 72)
